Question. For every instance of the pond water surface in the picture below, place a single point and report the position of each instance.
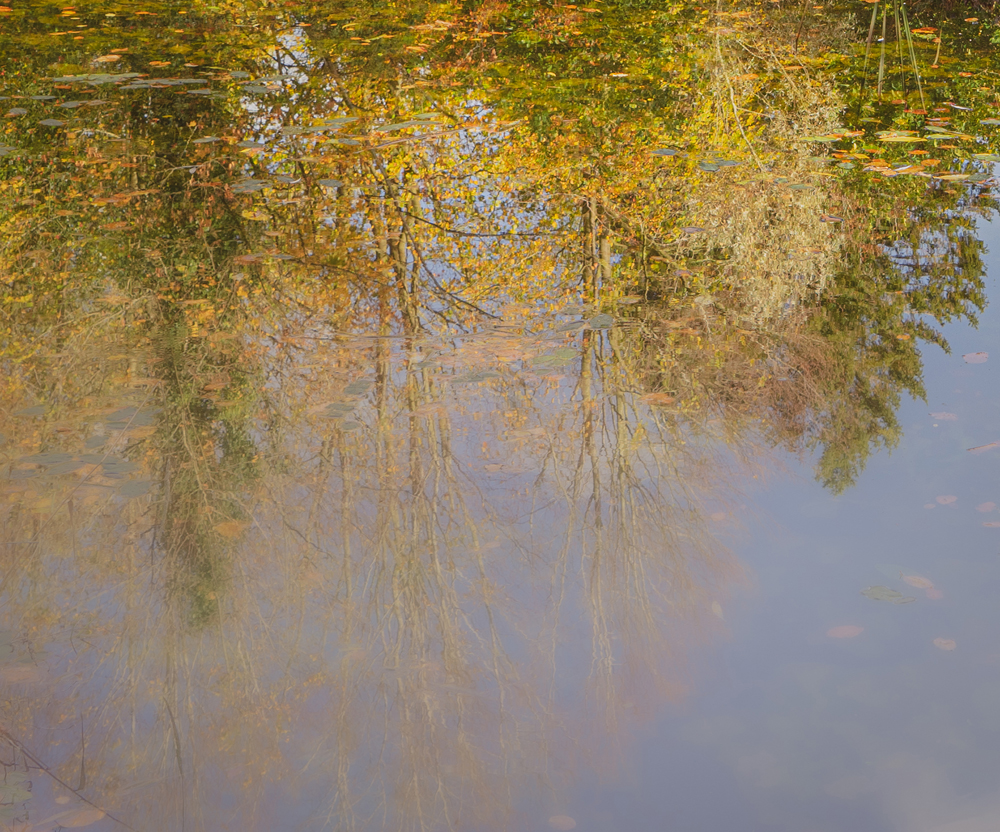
(500, 416)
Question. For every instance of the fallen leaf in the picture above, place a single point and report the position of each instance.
(845, 631)
(945, 643)
(657, 399)
(934, 594)
(230, 528)
(985, 507)
(717, 610)
(76, 818)
(883, 593)
(918, 581)
(562, 822)
(980, 448)
(976, 357)
(107, 59)
(946, 499)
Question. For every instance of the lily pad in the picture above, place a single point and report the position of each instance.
(558, 358)
(338, 410)
(358, 388)
(883, 593)
(135, 488)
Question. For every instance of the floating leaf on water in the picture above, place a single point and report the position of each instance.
(823, 139)
(47, 458)
(830, 218)
(230, 529)
(331, 183)
(668, 151)
(250, 186)
(846, 165)
(349, 426)
(934, 594)
(133, 417)
(883, 593)
(107, 59)
(980, 448)
(337, 410)
(65, 467)
(951, 177)
(358, 387)
(601, 321)
(986, 507)
(34, 410)
(845, 631)
(992, 524)
(986, 157)
(257, 88)
(918, 581)
(976, 357)
(52, 122)
(206, 140)
(247, 143)
(119, 469)
(990, 121)
(73, 818)
(558, 358)
(709, 167)
(945, 643)
(563, 823)
(135, 488)
(946, 499)
(657, 399)
(943, 416)
(16, 111)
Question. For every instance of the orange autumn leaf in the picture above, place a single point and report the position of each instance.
(845, 631)
(230, 528)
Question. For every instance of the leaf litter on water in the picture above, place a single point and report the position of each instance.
(845, 631)
(883, 593)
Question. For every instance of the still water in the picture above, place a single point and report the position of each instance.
(498, 417)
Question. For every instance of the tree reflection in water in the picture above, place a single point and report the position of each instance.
(382, 435)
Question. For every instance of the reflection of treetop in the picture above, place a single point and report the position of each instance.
(446, 327)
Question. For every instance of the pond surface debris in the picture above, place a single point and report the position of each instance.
(389, 394)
